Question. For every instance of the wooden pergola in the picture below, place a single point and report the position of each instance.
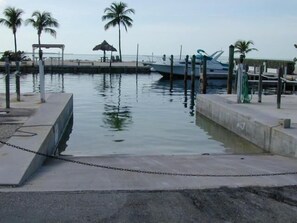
(47, 46)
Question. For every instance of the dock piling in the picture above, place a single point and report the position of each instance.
(7, 84)
(137, 58)
(279, 87)
(203, 79)
(186, 73)
(193, 74)
(260, 86)
(171, 72)
(230, 71)
(41, 78)
(17, 80)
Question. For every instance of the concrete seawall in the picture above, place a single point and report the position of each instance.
(259, 123)
(41, 133)
(90, 67)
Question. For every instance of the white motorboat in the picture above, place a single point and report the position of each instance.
(215, 68)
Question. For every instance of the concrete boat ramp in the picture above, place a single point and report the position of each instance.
(258, 123)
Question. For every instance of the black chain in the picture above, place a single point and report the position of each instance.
(148, 171)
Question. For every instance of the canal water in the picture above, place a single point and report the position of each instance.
(131, 114)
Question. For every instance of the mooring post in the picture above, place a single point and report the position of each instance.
(260, 86)
(285, 77)
(203, 79)
(186, 74)
(231, 68)
(279, 87)
(186, 69)
(193, 74)
(110, 65)
(17, 80)
(266, 67)
(171, 72)
(7, 84)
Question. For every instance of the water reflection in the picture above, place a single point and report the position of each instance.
(178, 88)
(55, 82)
(117, 117)
(231, 142)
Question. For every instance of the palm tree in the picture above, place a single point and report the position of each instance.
(43, 21)
(13, 21)
(243, 47)
(117, 15)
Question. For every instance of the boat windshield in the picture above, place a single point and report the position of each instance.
(201, 54)
(214, 56)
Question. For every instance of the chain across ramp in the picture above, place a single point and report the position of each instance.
(147, 171)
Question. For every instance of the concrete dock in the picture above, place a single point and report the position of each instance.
(260, 123)
(38, 127)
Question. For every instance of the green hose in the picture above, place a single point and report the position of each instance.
(245, 97)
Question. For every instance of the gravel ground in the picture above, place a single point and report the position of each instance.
(250, 204)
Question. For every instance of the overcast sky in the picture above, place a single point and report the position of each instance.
(162, 26)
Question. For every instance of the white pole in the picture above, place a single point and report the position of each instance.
(41, 78)
(180, 52)
(137, 58)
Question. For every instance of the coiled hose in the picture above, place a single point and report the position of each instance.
(245, 97)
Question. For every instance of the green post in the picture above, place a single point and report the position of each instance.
(231, 68)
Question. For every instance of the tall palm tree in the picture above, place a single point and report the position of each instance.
(243, 47)
(43, 21)
(13, 21)
(117, 15)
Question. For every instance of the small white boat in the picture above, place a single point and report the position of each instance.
(215, 68)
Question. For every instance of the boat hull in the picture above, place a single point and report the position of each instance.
(179, 71)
